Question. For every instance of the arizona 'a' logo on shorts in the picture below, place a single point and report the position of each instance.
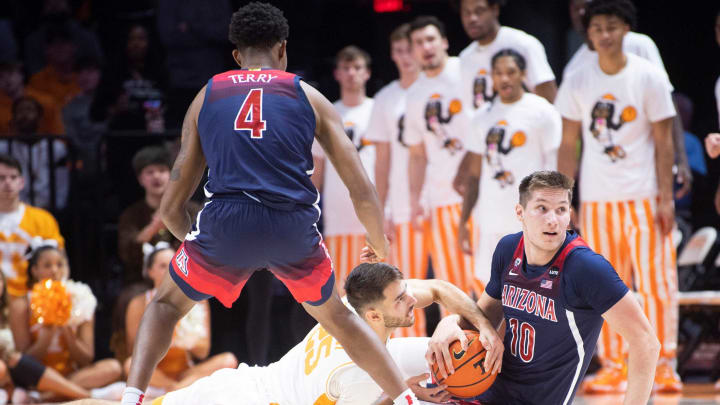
(181, 261)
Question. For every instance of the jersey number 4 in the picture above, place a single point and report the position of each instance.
(250, 115)
(523, 340)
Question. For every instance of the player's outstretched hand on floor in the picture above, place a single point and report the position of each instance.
(435, 395)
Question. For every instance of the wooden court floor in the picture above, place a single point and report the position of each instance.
(693, 394)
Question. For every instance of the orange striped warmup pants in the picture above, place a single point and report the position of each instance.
(626, 234)
(345, 253)
(409, 253)
(449, 262)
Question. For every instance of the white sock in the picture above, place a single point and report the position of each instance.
(406, 398)
(132, 396)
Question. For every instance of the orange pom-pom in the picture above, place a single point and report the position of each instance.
(50, 304)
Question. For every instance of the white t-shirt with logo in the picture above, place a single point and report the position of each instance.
(339, 216)
(436, 116)
(477, 85)
(616, 111)
(633, 42)
(387, 125)
(514, 140)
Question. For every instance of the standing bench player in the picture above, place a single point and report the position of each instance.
(553, 292)
(253, 128)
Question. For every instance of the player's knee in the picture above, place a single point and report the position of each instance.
(228, 360)
(111, 369)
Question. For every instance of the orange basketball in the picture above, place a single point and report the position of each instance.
(471, 378)
(518, 139)
(629, 113)
(455, 106)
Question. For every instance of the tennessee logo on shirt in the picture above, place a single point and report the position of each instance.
(496, 148)
(436, 119)
(350, 132)
(480, 89)
(603, 125)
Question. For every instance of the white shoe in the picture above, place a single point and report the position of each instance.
(110, 392)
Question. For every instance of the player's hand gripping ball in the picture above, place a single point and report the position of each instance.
(471, 378)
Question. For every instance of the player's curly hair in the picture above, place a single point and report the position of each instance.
(258, 25)
(623, 9)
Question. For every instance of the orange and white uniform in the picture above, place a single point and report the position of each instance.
(17, 229)
(476, 60)
(437, 118)
(409, 249)
(57, 355)
(514, 141)
(343, 232)
(618, 185)
(317, 371)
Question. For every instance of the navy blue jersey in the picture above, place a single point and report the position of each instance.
(553, 315)
(256, 128)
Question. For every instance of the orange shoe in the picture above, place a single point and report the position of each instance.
(610, 379)
(667, 381)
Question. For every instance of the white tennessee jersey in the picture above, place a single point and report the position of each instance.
(616, 113)
(315, 372)
(339, 216)
(387, 125)
(477, 84)
(633, 42)
(436, 116)
(514, 140)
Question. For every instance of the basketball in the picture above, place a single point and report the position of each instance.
(471, 377)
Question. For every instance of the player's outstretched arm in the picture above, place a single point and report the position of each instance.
(473, 171)
(627, 318)
(343, 155)
(664, 158)
(185, 175)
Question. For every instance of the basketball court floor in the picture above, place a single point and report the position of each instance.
(693, 394)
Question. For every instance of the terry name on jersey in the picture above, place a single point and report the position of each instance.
(252, 78)
(529, 301)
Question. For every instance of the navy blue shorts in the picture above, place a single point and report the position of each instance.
(235, 236)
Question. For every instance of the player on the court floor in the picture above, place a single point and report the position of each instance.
(254, 127)
(408, 247)
(644, 47)
(319, 371)
(481, 23)
(343, 233)
(620, 106)
(436, 124)
(515, 135)
(553, 292)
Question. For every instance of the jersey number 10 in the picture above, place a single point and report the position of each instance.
(250, 115)
(523, 340)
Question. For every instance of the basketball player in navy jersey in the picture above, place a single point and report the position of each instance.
(253, 128)
(553, 292)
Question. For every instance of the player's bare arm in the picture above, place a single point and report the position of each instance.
(473, 170)
(187, 172)
(684, 174)
(664, 157)
(547, 90)
(382, 170)
(568, 157)
(456, 301)
(343, 155)
(628, 319)
(417, 165)
(460, 180)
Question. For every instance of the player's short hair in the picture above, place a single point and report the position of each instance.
(623, 9)
(258, 25)
(10, 161)
(351, 53)
(400, 33)
(544, 179)
(366, 284)
(519, 59)
(423, 21)
(151, 155)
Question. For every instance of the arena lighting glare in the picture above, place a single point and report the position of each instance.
(388, 6)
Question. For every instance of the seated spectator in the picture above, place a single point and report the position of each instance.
(65, 345)
(84, 133)
(56, 13)
(57, 78)
(21, 372)
(34, 157)
(187, 359)
(131, 94)
(140, 223)
(12, 88)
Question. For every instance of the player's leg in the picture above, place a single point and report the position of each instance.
(156, 331)
(227, 386)
(360, 343)
(98, 374)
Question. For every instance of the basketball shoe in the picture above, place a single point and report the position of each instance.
(667, 381)
(611, 378)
